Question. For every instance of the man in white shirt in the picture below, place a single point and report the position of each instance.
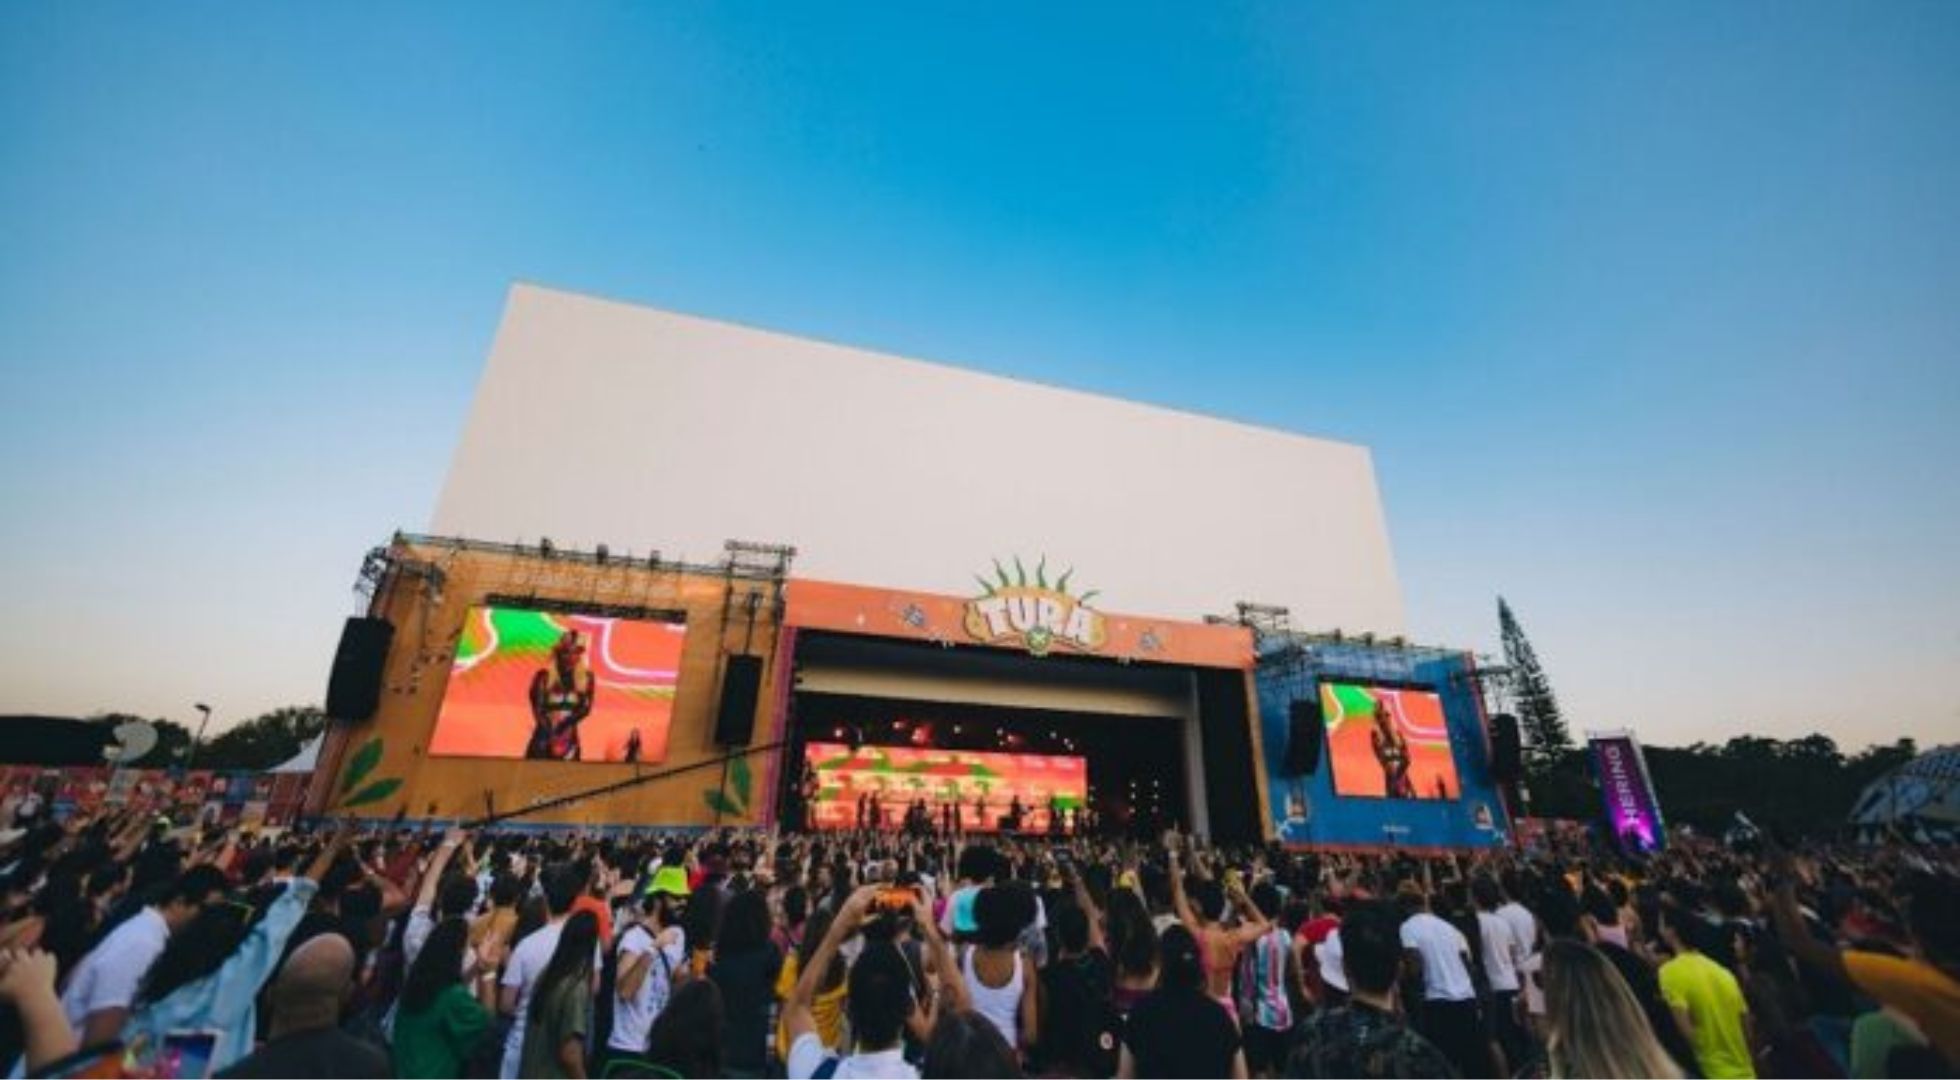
(1504, 954)
(441, 896)
(1440, 954)
(1328, 952)
(652, 958)
(562, 886)
(103, 986)
(1522, 922)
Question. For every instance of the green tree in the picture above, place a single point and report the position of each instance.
(263, 741)
(1546, 739)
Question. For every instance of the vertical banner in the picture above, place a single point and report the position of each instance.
(1633, 811)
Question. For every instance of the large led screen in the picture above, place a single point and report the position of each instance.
(556, 687)
(984, 787)
(1388, 743)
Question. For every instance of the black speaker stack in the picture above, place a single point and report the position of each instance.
(354, 685)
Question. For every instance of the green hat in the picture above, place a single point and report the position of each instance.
(671, 880)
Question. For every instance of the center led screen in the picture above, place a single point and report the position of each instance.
(558, 687)
(1388, 743)
(983, 786)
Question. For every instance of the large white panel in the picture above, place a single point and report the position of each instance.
(604, 422)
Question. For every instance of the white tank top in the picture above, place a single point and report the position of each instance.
(1001, 1006)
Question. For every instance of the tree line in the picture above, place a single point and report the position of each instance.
(262, 742)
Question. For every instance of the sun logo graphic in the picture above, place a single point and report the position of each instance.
(1029, 611)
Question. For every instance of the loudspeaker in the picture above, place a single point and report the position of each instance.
(354, 686)
(1305, 732)
(739, 686)
(1505, 766)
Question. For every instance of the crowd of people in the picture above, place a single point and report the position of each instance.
(133, 948)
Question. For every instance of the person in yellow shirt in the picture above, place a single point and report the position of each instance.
(827, 1007)
(1706, 999)
(1926, 989)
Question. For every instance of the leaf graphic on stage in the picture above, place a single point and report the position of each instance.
(365, 759)
(363, 763)
(739, 772)
(373, 793)
(719, 802)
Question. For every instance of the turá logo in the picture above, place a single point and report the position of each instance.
(1017, 608)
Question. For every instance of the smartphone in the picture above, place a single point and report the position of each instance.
(187, 1055)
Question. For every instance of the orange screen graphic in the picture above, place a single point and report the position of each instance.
(616, 705)
(1380, 738)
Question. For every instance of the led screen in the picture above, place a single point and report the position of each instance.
(1388, 743)
(549, 686)
(983, 786)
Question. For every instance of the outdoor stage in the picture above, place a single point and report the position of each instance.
(530, 663)
(979, 566)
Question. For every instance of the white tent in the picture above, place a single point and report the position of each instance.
(1921, 796)
(304, 761)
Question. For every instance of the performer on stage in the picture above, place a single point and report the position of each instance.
(561, 699)
(1391, 749)
(806, 796)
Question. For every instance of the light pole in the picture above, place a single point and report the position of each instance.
(202, 723)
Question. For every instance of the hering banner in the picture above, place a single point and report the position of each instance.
(1633, 811)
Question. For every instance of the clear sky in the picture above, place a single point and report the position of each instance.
(1650, 313)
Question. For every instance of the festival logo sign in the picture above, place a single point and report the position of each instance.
(1019, 610)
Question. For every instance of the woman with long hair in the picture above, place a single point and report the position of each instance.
(687, 1036)
(560, 1016)
(440, 1022)
(700, 924)
(745, 967)
(1133, 946)
(1593, 1025)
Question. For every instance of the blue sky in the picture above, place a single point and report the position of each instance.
(1648, 312)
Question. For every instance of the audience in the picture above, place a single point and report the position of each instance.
(128, 948)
